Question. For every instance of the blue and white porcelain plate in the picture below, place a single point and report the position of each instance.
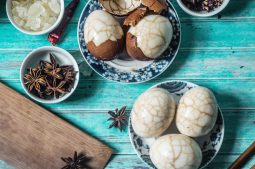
(124, 69)
(210, 144)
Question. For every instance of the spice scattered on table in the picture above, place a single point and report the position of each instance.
(79, 161)
(119, 118)
(56, 34)
(203, 5)
(35, 15)
(50, 80)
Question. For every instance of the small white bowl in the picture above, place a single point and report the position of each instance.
(60, 17)
(42, 53)
(203, 13)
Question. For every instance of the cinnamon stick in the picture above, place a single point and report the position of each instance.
(241, 160)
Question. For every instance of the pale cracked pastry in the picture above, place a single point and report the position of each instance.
(175, 151)
(149, 38)
(197, 112)
(120, 7)
(153, 112)
(103, 35)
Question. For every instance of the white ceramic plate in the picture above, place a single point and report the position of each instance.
(210, 144)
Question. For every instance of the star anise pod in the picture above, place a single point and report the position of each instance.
(77, 162)
(66, 67)
(55, 89)
(51, 68)
(69, 74)
(118, 117)
(35, 79)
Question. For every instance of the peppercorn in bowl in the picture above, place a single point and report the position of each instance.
(203, 8)
(49, 74)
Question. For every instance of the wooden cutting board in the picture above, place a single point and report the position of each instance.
(34, 138)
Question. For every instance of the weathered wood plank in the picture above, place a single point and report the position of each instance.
(223, 52)
(133, 162)
(242, 10)
(28, 131)
(3, 165)
(230, 146)
(196, 35)
(94, 95)
(187, 65)
(239, 124)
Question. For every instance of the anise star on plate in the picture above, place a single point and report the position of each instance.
(55, 89)
(77, 162)
(118, 117)
(51, 68)
(34, 79)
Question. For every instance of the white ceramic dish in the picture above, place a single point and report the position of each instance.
(9, 14)
(210, 144)
(42, 53)
(202, 13)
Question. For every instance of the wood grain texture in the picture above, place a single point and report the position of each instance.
(201, 35)
(212, 64)
(216, 53)
(33, 138)
(94, 94)
(244, 157)
(236, 9)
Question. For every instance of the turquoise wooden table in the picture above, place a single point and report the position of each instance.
(216, 52)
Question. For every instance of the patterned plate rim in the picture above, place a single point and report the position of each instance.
(135, 82)
(171, 81)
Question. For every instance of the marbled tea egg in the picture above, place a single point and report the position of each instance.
(120, 7)
(197, 112)
(174, 151)
(149, 38)
(103, 35)
(153, 112)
